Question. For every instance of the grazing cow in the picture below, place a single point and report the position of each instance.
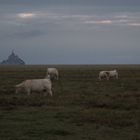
(35, 85)
(108, 74)
(113, 74)
(53, 72)
(103, 75)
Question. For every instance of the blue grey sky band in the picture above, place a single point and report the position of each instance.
(71, 31)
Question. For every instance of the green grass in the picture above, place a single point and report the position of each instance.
(82, 108)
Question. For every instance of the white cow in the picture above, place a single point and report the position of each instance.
(53, 73)
(113, 74)
(103, 75)
(108, 74)
(36, 85)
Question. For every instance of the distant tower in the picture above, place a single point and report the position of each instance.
(13, 51)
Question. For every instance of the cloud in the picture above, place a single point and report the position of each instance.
(26, 15)
(53, 19)
(106, 19)
(134, 24)
(66, 18)
(99, 22)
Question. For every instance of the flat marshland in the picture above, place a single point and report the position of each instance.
(82, 107)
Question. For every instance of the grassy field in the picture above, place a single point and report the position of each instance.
(82, 108)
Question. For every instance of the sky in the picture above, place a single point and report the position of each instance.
(71, 31)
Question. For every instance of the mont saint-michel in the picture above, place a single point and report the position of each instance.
(13, 59)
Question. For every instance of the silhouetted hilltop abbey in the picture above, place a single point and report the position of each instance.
(13, 59)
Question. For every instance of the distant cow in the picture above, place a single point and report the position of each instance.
(108, 74)
(103, 75)
(35, 85)
(53, 73)
(113, 74)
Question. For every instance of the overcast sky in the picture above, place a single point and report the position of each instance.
(71, 31)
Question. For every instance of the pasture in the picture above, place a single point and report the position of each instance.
(82, 107)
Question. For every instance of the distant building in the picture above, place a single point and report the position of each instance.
(13, 59)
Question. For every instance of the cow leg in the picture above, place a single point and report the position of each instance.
(56, 77)
(100, 78)
(28, 91)
(50, 92)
